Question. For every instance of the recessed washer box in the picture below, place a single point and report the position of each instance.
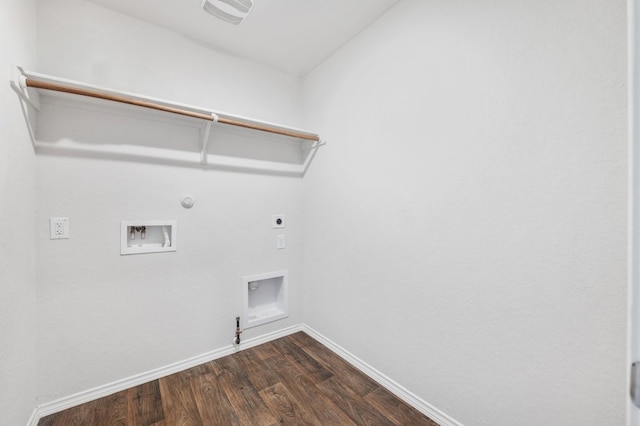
(264, 298)
(148, 236)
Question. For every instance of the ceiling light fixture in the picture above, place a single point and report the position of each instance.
(232, 11)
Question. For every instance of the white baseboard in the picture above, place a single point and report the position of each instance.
(34, 419)
(392, 386)
(255, 341)
(120, 385)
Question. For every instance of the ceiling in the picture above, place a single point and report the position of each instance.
(293, 36)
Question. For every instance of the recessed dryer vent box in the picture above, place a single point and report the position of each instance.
(148, 236)
(264, 298)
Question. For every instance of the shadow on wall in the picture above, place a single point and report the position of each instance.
(96, 129)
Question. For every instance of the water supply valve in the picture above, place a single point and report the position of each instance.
(236, 339)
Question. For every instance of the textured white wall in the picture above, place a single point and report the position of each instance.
(465, 226)
(103, 316)
(17, 214)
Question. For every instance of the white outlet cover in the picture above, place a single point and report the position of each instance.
(280, 244)
(58, 228)
(278, 221)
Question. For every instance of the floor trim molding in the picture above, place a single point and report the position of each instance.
(394, 387)
(138, 379)
(34, 419)
(120, 385)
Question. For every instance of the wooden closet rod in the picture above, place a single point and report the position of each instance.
(152, 105)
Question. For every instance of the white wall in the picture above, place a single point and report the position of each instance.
(464, 228)
(465, 225)
(17, 211)
(103, 316)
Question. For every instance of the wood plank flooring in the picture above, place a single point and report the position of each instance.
(293, 380)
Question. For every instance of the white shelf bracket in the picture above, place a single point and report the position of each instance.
(27, 97)
(19, 85)
(315, 146)
(205, 138)
(314, 149)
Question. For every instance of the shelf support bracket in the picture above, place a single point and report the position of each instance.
(205, 138)
(27, 98)
(19, 85)
(314, 149)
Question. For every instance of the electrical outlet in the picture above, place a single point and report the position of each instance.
(277, 221)
(280, 242)
(59, 228)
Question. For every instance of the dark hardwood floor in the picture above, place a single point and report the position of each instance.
(293, 380)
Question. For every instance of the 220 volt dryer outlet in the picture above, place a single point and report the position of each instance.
(277, 221)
